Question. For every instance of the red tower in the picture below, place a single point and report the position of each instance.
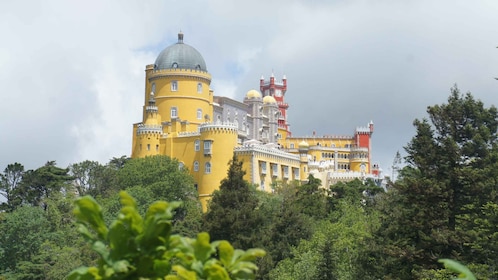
(362, 137)
(277, 90)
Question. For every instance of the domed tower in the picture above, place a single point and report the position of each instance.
(270, 110)
(180, 82)
(255, 102)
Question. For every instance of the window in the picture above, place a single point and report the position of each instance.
(196, 166)
(199, 88)
(274, 168)
(153, 88)
(262, 185)
(199, 114)
(181, 165)
(296, 173)
(197, 145)
(175, 65)
(174, 112)
(263, 167)
(174, 85)
(148, 147)
(286, 172)
(292, 145)
(207, 147)
(207, 168)
(157, 148)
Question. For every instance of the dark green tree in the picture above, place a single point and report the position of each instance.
(451, 175)
(161, 178)
(37, 185)
(312, 198)
(232, 212)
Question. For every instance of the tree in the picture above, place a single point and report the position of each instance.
(136, 247)
(23, 232)
(312, 199)
(9, 182)
(232, 213)
(87, 177)
(451, 175)
(165, 180)
(38, 185)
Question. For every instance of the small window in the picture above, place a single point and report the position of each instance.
(157, 148)
(199, 88)
(197, 145)
(174, 112)
(174, 85)
(199, 114)
(148, 147)
(181, 165)
(196, 166)
(175, 65)
(262, 185)
(153, 88)
(207, 168)
(207, 147)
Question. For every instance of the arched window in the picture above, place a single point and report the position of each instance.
(199, 88)
(207, 168)
(153, 88)
(181, 165)
(197, 145)
(199, 114)
(196, 166)
(174, 85)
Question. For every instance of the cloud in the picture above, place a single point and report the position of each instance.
(72, 73)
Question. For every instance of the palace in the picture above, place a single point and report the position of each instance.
(183, 119)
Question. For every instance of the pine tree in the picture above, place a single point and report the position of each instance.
(451, 175)
(232, 213)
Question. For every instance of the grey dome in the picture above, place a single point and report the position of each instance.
(181, 56)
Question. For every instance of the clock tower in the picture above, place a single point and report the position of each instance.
(277, 90)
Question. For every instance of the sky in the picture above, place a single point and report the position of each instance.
(72, 72)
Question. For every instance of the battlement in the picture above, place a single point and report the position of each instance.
(160, 73)
(149, 129)
(225, 126)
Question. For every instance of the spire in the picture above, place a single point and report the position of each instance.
(180, 37)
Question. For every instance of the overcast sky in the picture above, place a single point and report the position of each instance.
(72, 72)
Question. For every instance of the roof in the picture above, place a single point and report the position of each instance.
(181, 56)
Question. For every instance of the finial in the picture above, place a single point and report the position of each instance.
(180, 37)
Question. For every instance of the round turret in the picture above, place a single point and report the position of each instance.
(181, 56)
(304, 145)
(269, 100)
(253, 94)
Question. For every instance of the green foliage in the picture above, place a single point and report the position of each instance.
(462, 271)
(441, 206)
(161, 179)
(136, 247)
(19, 241)
(336, 249)
(232, 212)
(9, 181)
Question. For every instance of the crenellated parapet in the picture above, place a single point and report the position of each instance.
(180, 73)
(227, 127)
(149, 129)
